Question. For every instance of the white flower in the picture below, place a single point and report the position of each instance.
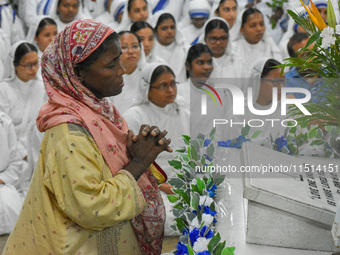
(326, 32)
(207, 219)
(327, 42)
(194, 224)
(337, 29)
(201, 244)
(205, 200)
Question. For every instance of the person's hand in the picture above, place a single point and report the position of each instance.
(166, 188)
(146, 130)
(144, 148)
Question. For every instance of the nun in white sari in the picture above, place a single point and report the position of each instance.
(199, 11)
(61, 15)
(229, 11)
(263, 112)
(22, 94)
(160, 106)
(135, 10)
(227, 64)
(133, 60)
(170, 45)
(12, 169)
(255, 44)
(113, 14)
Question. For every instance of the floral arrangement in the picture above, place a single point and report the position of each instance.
(197, 207)
(322, 60)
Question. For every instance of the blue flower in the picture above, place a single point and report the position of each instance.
(207, 157)
(207, 210)
(203, 253)
(181, 249)
(208, 235)
(212, 190)
(194, 235)
(224, 143)
(207, 142)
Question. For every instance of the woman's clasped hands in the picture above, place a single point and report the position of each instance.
(144, 148)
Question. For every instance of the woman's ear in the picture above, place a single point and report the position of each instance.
(187, 66)
(79, 73)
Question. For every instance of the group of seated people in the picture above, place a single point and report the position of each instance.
(167, 47)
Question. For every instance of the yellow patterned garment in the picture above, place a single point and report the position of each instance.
(74, 205)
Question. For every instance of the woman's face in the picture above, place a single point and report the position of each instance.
(68, 10)
(147, 38)
(46, 36)
(201, 67)
(217, 41)
(104, 78)
(198, 22)
(166, 32)
(163, 91)
(323, 13)
(228, 11)
(254, 28)
(28, 66)
(138, 11)
(131, 52)
(272, 80)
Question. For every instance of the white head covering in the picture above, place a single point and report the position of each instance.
(199, 9)
(144, 83)
(228, 50)
(34, 27)
(117, 7)
(10, 58)
(255, 77)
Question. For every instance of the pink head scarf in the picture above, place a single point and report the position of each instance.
(71, 101)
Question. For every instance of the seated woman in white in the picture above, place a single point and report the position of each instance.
(227, 64)
(199, 66)
(146, 34)
(12, 178)
(174, 7)
(22, 95)
(170, 45)
(10, 22)
(132, 59)
(266, 82)
(41, 33)
(158, 106)
(229, 11)
(135, 10)
(64, 12)
(199, 11)
(255, 44)
(113, 13)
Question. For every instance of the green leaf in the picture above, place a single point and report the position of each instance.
(213, 242)
(191, 251)
(313, 38)
(186, 198)
(203, 160)
(180, 224)
(200, 185)
(228, 251)
(193, 153)
(179, 207)
(176, 182)
(211, 150)
(331, 20)
(292, 130)
(173, 198)
(212, 133)
(218, 249)
(186, 139)
(181, 150)
(194, 201)
(317, 142)
(245, 131)
(175, 164)
(256, 134)
(312, 132)
(200, 136)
